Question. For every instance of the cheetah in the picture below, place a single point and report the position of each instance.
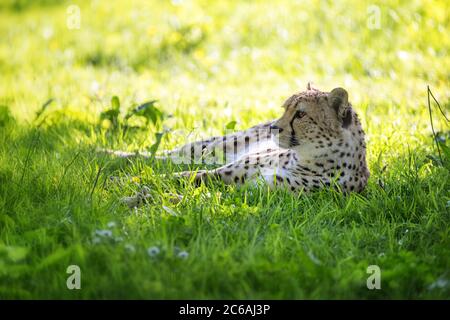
(318, 142)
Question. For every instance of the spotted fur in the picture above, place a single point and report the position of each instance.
(318, 142)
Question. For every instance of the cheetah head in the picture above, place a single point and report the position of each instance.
(313, 119)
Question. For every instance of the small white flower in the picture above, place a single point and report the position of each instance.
(47, 32)
(96, 240)
(95, 87)
(111, 224)
(153, 251)
(118, 239)
(439, 284)
(103, 233)
(314, 258)
(403, 55)
(130, 247)
(183, 255)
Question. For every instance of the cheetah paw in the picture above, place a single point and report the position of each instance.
(139, 199)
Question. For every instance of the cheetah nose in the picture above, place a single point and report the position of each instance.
(274, 127)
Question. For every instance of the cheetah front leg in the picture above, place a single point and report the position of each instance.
(274, 167)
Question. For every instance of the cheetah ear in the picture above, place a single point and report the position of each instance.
(338, 100)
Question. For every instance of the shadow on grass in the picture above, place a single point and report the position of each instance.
(55, 195)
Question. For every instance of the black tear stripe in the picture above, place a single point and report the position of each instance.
(293, 140)
(347, 119)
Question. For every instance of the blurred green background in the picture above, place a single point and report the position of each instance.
(246, 54)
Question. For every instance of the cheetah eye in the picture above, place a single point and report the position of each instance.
(300, 114)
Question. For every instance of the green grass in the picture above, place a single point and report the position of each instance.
(208, 64)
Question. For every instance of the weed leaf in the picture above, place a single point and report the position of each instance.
(148, 111)
(115, 103)
(231, 125)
